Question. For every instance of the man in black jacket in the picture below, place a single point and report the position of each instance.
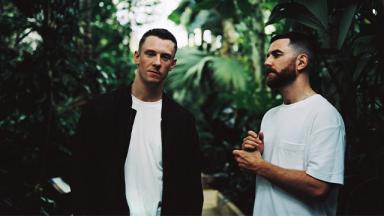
(137, 150)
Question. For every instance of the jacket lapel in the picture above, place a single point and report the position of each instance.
(124, 118)
(168, 124)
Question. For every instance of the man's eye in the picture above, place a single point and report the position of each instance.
(166, 57)
(149, 53)
(276, 54)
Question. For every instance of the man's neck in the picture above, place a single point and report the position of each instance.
(145, 92)
(299, 90)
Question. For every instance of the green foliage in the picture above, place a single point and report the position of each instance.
(230, 73)
(222, 94)
(219, 86)
(54, 56)
(345, 23)
(298, 12)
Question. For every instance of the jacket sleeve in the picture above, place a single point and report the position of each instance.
(196, 192)
(81, 163)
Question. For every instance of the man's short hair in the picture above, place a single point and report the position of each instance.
(160, 33)
(302, 43)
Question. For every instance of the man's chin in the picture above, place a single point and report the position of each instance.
(154, 81)
(270, 83)
(274, 84)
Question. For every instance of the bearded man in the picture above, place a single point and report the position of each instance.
(298, 155)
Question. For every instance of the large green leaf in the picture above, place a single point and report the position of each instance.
(199, 20)
(189, 72)
(206, 19)
(186, 71)
(230, 73)
(319, 8)
(345, 23)
(297, 12)
(176, 14)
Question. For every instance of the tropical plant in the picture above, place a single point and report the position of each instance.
(223, 85)
(54, 56)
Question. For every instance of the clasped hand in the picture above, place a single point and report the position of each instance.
(252, 148)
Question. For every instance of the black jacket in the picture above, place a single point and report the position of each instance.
(102, 142)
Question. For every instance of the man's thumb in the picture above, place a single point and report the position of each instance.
(261, 135)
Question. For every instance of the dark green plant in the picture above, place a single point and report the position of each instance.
(54, 56)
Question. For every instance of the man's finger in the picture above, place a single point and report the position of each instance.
(261, 135)
(250, 142)
(252, 133)
(252, 138)
(237, 153)
(250, 145)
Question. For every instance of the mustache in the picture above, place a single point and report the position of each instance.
(270, 70)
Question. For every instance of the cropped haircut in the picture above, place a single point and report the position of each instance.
(302, 43)
(160, 33)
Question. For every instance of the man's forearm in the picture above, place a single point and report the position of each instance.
(295, 181)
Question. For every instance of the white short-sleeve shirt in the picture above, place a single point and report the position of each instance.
(308, 135)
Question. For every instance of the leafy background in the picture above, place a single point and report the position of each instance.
(54, 55)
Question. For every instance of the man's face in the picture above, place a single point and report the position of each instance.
(155, 59)
(281, 64)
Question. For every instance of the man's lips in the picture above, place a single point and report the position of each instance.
(267, 73)
(270, 73)
(153, 71)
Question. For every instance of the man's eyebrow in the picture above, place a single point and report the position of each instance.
(161, 53)
(149, 50)
(275, 52)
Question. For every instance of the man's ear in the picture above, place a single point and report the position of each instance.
(173, 65)
(136, 57)
(302, 61)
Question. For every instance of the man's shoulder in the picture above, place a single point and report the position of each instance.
(325, 112)
(272, 111)
(322, 106)
(111, 95)
(176, 109)
(105, 102)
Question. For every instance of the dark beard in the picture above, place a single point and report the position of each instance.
(282, 79)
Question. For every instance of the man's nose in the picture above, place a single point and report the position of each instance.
(267, 62)
(157, 60)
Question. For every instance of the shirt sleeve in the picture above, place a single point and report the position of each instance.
(327, 148)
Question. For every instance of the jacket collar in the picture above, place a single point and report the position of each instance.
(167, 102)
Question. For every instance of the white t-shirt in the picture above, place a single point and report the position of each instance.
(143, 166)
(308, 135)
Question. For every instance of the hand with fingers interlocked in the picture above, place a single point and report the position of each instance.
(253, 141)
(252, 148)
